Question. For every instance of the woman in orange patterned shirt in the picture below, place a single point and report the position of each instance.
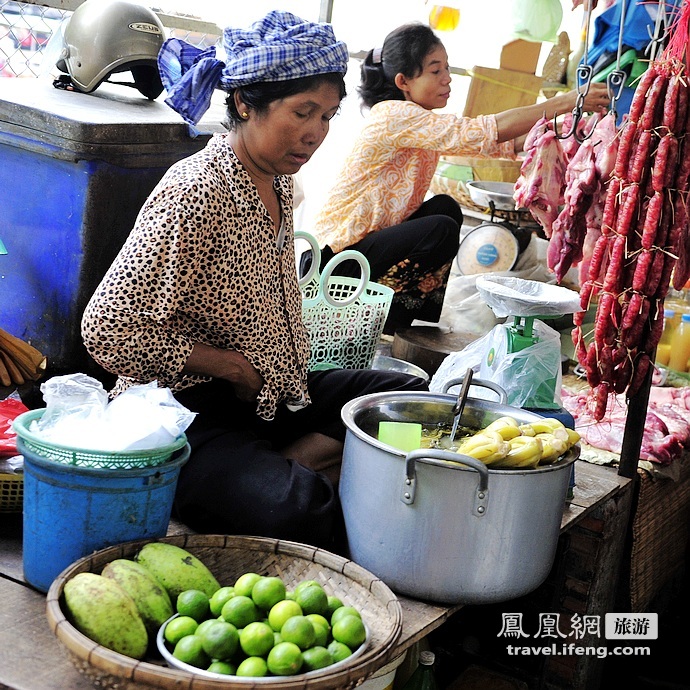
(377, 206)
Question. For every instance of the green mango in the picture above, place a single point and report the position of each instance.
(176, 569)
(100, 609)
(151, 598)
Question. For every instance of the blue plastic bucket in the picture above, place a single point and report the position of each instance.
(70, 512)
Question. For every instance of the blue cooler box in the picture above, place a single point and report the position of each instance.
(75, 169)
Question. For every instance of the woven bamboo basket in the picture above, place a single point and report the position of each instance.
(228, 557)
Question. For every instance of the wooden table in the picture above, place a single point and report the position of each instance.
(32, 659)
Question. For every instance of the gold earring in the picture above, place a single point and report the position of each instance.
(245, 114)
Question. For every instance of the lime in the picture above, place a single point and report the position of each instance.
(350, 631)
(300, 630)
(281, 611)
(339, 651)
(316, 657)
(267, 592)
(224, 667)
(219, 639)
(256, 639)
(240, 611)
(190, 651)
(344, 611)
(321, 620)
(254, 666)
(333, 604)
(206, 624)
(277, 639)
(321, 629)
(307, 583)
(193, 603)
(178, 628)
(220, 596)
(285, 659)
(245, 583)
(312, 599)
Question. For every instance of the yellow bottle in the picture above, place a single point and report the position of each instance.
(663, 349)
(680, 345)
(444, 18)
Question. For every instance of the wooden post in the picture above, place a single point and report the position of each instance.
(634, 427)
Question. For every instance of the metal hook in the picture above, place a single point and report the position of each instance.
(657, 37)
(615, 82)
(584, 79)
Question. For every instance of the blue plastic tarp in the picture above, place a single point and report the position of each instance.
(638, 26)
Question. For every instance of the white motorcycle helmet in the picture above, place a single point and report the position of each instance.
(103, 37)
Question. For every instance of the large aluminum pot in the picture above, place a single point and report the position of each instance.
(434, 529)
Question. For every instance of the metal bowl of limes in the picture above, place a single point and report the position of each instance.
(255, 664)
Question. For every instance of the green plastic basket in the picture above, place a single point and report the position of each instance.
(81, 457)
(343, 316)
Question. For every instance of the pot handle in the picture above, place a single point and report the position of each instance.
(502, 395)
(442, 458)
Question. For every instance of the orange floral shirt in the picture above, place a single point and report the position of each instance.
(387, 175)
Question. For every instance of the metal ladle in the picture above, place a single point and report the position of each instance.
(460, 404)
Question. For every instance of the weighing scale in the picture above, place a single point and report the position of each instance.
(523, 301)
(495, 245)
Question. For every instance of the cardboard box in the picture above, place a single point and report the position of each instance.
(494, 90)
(521, 56)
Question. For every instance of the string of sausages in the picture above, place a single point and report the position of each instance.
(644, 232)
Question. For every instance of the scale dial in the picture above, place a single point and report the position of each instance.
(487, 248)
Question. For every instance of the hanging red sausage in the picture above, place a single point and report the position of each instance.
(644, 229)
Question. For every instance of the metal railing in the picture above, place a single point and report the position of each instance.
(26, 28)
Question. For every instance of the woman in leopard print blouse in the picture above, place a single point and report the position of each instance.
(203, 298)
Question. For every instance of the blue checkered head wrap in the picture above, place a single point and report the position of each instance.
(278, 47)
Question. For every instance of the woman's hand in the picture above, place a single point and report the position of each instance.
(596, 101)
(226, 364)
(516, 122)
(246, 380)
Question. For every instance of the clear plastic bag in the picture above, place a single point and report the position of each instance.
(527, 376)
(513, 296)
(78, 414)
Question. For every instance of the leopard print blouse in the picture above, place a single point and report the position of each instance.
(202, 265)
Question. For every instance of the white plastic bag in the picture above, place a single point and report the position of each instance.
(79, 415)
(513, 296)
(147, 417)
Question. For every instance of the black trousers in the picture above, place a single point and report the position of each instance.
(414, 258)
(236, 481)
